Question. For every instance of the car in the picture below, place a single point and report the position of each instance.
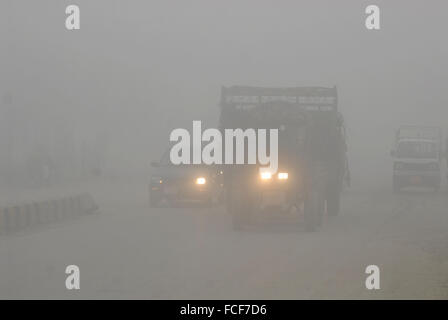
(181, 184)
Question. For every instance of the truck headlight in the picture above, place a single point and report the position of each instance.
(201, 180)
(265, 175)
(282, 176)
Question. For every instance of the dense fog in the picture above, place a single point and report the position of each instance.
(100, 102)
(134, 71)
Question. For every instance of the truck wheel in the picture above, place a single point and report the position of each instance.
(333, 204)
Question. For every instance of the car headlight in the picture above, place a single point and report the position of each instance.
(201, 180)
(282, 176)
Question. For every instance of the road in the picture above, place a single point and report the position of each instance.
(129, 250)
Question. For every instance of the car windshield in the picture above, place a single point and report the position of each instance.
(416, 149)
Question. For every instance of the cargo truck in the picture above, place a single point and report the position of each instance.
(312, 160)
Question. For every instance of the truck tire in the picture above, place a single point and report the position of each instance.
(333, 203)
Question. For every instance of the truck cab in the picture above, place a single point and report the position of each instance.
(417, 158)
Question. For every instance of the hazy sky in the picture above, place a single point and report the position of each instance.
(138, 69)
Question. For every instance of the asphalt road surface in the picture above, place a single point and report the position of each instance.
(129, 250)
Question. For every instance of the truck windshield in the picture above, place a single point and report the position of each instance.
(416, 149)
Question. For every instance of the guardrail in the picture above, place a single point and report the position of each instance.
(19, 217)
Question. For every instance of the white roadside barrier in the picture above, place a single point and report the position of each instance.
(18, 217)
